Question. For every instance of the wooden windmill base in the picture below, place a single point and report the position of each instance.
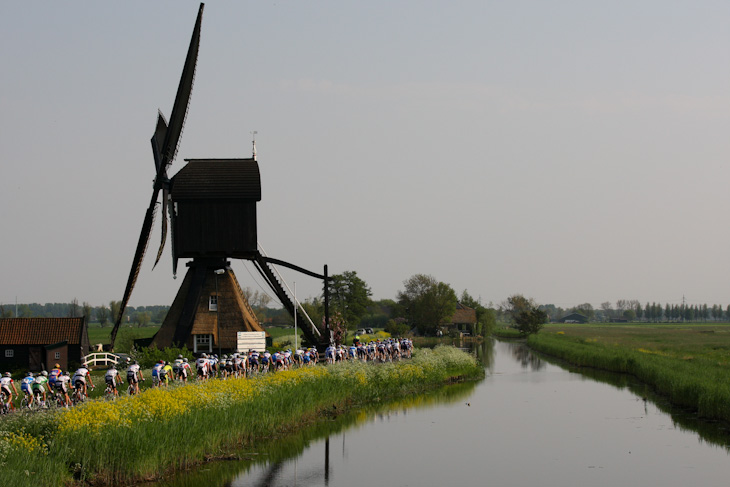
(208, 311)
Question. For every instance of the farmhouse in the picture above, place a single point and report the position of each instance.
(39, 343)
(463, 320)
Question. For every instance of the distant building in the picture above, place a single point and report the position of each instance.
(39, 343)
(463, 320)
(573, 318)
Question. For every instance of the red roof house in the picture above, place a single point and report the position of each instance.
(39, 343)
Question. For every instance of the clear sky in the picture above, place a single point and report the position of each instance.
(573, 151)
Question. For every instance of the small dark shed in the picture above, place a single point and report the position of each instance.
(38, 343)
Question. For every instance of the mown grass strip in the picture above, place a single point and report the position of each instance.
(160, 430)
(694, 383)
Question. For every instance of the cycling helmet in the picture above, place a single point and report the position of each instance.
(7, 374)
(58, 366)
(135, 363)
(44, 373)
(29, 374)
(185, 360)
(167, 363)
(179, 356)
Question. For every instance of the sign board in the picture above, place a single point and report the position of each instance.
(250, 340)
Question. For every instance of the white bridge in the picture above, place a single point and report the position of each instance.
(100, 359)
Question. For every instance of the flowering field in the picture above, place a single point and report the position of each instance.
(142, 437)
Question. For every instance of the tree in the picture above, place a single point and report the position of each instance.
(525, 314)
(350, 295)
(142, 318)
(86, 309)
(486, 318)
(74, 310)
(607, 310)
(428, 302)
(5, 313)
(114, 310)
(102, 314)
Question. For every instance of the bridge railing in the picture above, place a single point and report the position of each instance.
(100, 359)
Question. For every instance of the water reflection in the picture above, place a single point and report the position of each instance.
(528, 423)
(524, 356)
(270, 463)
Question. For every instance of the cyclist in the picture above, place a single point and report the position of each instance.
(265, 361)
(253, 360)
(53, 375)
(112, 377)
(6, 383)
(134, 375)
(165, 374)
(26, 384)
(239, 366)
(39, 388)
(156, 373)
(79, 379)
(185, 370)
(62, 382)
(329, 353)
(176, 366)
(203, 366)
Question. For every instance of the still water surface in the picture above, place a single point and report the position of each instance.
(528, 423)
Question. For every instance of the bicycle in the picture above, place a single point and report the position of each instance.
(78, 396)
(109, 392)
(4, 407)
(131, 390)
(26, 402)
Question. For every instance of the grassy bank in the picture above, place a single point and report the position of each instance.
(687, 364)
(142, 437)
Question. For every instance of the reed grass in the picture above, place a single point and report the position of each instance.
(696, 383)
(142, 437)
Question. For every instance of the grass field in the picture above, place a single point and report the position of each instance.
(99, 334)
(685, 342)
(687, 364)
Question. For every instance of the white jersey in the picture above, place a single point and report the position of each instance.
(80, 374)
(111, 375)
(5, 382)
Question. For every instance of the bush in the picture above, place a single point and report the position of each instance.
(148, 357)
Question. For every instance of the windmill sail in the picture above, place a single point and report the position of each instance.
(163, 159)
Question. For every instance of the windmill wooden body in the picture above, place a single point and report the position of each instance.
(212, 211)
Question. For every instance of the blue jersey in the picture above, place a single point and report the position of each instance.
(26, 383)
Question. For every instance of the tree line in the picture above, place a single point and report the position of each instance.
(102, 314)
(632, 310)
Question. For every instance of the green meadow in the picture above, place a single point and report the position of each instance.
(687, 364)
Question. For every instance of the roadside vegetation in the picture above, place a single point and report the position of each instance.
(161, 430)
(687, 364)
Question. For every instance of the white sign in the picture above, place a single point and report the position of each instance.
(250, 340)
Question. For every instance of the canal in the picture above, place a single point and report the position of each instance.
(528, 423)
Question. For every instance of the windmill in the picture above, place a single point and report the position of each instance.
(211, 206)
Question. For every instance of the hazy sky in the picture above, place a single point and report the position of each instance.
(572, 151)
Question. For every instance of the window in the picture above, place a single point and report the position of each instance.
(213, 303)
(58, 355)
(203, 343)
(9, 353)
